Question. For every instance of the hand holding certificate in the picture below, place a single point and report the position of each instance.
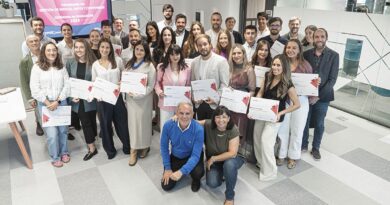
(176, 94)
(305, 84)
(204, 89)
(105, 90)
(235, 100)
(260, 74)
(263, 109)
(133, 82)
(57, 117)
(80, 88)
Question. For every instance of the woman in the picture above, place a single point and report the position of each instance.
(167, 38)
(81, 68)
(65, 47)
(172, 72)
(242, 77)
(152, 34)
(291, 130)
(140, 105)
(94, 39)
(221, 142)
(277, 86)
(224, 44)
(108, 67)
(189, 48)
(49, 87)
(307, 42)
(262, 54)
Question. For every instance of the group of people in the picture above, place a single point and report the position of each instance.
(220, 54)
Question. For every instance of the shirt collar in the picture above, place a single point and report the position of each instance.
(183, 130)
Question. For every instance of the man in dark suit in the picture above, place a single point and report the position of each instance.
(181, 32)
(230, 22)
(325, 62)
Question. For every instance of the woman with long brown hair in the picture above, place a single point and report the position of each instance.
(189, 48)
(224, 44)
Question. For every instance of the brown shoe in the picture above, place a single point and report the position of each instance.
(133, 157)
(291, 164)
(228, 202)
(144, 153)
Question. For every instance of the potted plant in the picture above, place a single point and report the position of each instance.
(9, 10)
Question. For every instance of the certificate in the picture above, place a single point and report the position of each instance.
(133, 82)
(176, 94)
(260, 74)
(235, 100)
(105, 90)
(80, 88)
(204, 89)
(263, 109)
(305, 84)
(276, 49)
(117, 49)
(57, 117)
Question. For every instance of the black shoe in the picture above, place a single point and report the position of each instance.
(77, 127)
(195, 185)
(71, 137)
(112, 156)
(39, 130)
(89, 155)
(316, 154)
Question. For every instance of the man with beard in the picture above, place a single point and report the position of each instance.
(118, 28)
(38, 26)
(181, 32)
(25, 67)
(208, 66)
(128, 44)
(167, 13)
(250, 41)
(275, 26)
(324, 62)
(216, 21)
(230, 22)
(263, 30)
(294, 23)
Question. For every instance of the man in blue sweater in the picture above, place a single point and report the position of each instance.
(186, 138)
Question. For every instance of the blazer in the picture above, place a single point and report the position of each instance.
(327, 68)
(25, 67)
(186, 34)
(238, 37)
(71, 67)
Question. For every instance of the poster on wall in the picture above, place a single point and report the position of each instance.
(83, 15)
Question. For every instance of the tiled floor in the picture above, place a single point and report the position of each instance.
(355, 169)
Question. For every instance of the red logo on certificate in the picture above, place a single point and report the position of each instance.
(245, 100)
(90, 88)
(116, 92)
(314, 82)
(45, 118)
(144, 81)
(274, 109)
(188, 94)
(214, 86)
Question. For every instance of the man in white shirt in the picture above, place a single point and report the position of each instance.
(38, 26)
(208, 66)
(181, 32)
(216, 22)
(250, 41)
(262, 19)
(118, 28)
(294, 24)
(168, 13)
(128, 44)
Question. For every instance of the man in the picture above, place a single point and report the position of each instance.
(294, 23)
(208, 66)
(133, 24)
(106, 33)
(263, 30)
(37, 26)
(250, 41)
(325, 62)
(230, 22)
(275, 25)
(25, 66)
(118, 31)
(185, 140)
(181, 32)
(216, 21)
(128, 44)
(167, 13)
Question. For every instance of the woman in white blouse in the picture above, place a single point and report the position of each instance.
(48, 85)
(65, 47)
(108, 67)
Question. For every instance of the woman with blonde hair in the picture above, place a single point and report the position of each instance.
(224, 44)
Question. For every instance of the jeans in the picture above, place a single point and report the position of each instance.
(57, 137)
(316, 117)
(229, 170)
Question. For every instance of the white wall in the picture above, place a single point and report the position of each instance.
(334, 5)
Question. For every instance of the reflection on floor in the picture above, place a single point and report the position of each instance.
(355, 169)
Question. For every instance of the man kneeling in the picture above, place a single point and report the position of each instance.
(186, 138)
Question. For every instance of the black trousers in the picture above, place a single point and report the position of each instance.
(117, 114)
(204, 111)
(176, 163)
(88, 123)
(75, 120)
